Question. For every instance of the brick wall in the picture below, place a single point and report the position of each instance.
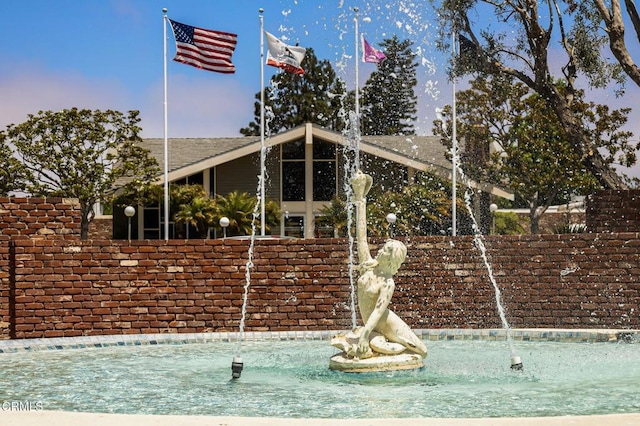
(5, 315)
(36, 218)
(65, 288)
(101, 228)
(52, 284)
(614, 211)
(108, 287)
(39, 218)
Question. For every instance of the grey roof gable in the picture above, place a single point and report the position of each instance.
(191, 155)
(184, 152)
(188, 151)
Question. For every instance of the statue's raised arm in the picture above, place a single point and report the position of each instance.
(361, 184)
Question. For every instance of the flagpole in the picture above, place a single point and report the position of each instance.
(262, 148)
(454, 144)
(357, 93)
(166, 139)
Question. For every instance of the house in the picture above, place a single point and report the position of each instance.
(304, 170)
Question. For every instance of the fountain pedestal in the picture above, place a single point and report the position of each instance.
(384, 355)
(341, 362)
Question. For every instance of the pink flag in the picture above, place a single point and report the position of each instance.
(370, 53)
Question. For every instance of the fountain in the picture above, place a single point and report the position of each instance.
(290, 379)
(385, 342)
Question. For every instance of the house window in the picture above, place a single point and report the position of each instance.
(324, 171)
(293, 179)
(324, 227)
(212, 182)
(294, 226)
(324, 180)
(195, 179)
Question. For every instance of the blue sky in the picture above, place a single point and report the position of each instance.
(108, 54)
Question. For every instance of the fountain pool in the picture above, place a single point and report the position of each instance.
(462, 378)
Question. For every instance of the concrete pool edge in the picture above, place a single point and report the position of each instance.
(520, 334)
(68, 418)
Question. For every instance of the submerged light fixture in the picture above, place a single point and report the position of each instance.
(236, 367)
(516, 363)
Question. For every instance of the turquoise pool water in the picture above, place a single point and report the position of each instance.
(292, 379)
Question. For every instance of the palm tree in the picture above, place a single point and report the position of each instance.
(190, 206)
(200, 213)
(239, 207)
(335, 215)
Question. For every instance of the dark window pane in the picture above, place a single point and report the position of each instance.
(151, 218)
(323, 150)
(197, 179)
(324, 180)
(293, 181)
(324, 227)
(293, 150)
(151, 234)
(294, 226)
(212, 182)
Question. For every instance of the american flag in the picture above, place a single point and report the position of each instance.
(205, 49)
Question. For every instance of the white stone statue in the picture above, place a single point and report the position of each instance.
(383, 334)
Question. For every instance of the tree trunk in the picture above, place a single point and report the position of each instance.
(87, 215)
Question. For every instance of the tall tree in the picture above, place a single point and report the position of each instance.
(389, 102)
(529, 56)
(295, 99)
(82, 154)
(533, 154)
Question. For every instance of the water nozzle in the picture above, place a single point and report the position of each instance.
(516, 363)
(236, 367)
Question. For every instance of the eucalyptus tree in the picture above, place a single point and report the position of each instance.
(83, 154)
(537, 43)
(423, 207)
(599, 22)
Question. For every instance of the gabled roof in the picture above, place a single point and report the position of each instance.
(192, 155)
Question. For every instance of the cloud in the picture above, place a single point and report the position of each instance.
(28, 89)
(202, 107)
